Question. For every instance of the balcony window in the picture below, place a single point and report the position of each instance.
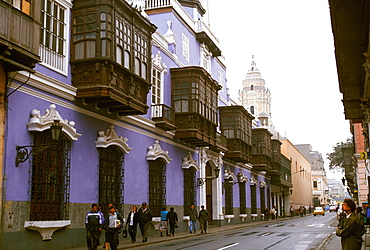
(106, 34)
(53, 35)
(156, 86)
(84, 35)
(22, 5)
(123, 43)
(141, 55)
(185, 47)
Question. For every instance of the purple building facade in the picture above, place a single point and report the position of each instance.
(146, 129)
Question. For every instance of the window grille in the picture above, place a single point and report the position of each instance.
(262, 195)
(111, 175)
(190, 190)
(50, 179)
(229, 197)
(254, 199)
(157, 186)
(243, 200)
(53, 34)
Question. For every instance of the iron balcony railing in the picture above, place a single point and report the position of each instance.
(163, 111)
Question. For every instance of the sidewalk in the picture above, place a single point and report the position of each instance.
(332, 242)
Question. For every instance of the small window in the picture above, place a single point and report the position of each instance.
(185, 47)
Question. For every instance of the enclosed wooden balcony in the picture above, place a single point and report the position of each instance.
(111, 56)
(164, 116)
(221, 143)
(236, 125)
(261, 150)
(281, 175)
(19, 36)
(195, 97)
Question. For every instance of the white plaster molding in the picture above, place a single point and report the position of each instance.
(228, 217)
(186, 218)
(263, 183)
(111, 138)
(43, 122)
(156, 221)
(228, 174)
(243, 216)
(156, 151)
(157, 62)
(188, 162)
(48, 84)
(46, 228)
(170, 36)
(243, 178)
(209, 155)
(254, 216)
(253, 181)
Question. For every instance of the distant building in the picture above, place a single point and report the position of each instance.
(319, 179)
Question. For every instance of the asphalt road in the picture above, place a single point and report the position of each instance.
(298, 233)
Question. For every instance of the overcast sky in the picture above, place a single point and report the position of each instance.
(293, 48)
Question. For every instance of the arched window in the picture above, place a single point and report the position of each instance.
(252, 110)
(111, 174)
(50, 179)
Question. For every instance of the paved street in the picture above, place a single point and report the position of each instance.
(309, 232)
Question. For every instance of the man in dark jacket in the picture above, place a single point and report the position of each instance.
(193, 214)
(94, 224)
(349, 227)
(203, 219)
(145, 217)
(113, 225)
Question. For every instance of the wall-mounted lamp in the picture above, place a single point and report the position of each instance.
(22, 151)
(201, 181)
(298, 171)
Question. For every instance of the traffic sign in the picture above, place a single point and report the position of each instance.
(364, 155)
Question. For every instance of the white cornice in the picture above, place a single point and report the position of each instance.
(47, 84)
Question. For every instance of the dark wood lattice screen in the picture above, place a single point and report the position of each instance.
(190, 189)
(263, 199)
(157, 186)
(243, 200)
(228, 197)
(50, 179)
(254, 199)
(111, 175)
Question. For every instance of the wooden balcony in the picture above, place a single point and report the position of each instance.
(221, 143)
(193, 128)
(261, 150)
(19, 37)
(164, 116)
(108, 85)
(236, 124)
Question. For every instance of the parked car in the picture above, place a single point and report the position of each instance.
(318, 210)
(332, 208)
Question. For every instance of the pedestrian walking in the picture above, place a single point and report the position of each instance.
(94, 225)
(193, 214)
(113, 226)
(266, 213)
(273, 213)
(172, 220)
(145, 217)
(101, 231)
(132, 221)
(349, 227)
(203, 219)
(163, 224)
(291, 211)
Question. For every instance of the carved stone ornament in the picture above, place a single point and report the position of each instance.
(155, 152)
(209, 155)
(188, 162)
(43, 122)
(110, 138)
(253, 181)
(263, 183)
(157, 62)
(228, 174)
(243, 178)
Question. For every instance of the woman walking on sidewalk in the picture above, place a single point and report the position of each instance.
(172, 220)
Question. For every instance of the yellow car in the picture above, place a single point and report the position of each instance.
(318, 210)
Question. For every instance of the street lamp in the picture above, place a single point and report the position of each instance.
(201, 181)
(22, 151)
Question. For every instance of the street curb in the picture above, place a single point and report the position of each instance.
(326, 241)
(217, 230)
